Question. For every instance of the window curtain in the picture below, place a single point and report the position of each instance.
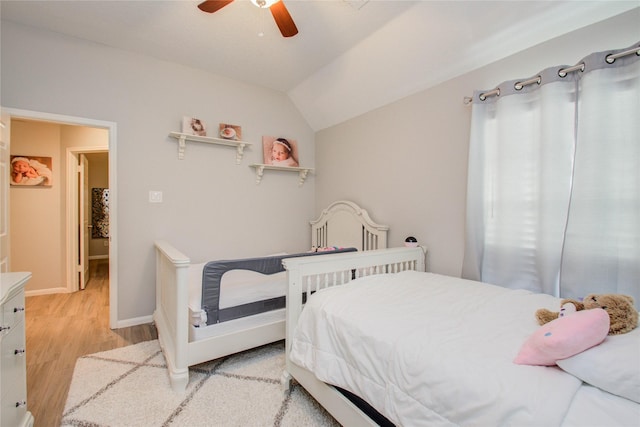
(553, 195)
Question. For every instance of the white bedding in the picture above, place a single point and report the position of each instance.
(236, 287)
(425, 349)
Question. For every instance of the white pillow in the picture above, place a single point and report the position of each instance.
(612, 366)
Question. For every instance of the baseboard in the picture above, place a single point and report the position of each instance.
(47, 291)
(98, 257)
(134, 322)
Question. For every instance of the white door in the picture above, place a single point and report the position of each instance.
(84, 218)
(5, 123)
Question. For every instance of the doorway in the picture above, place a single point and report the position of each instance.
(70, 245)
(87, 211)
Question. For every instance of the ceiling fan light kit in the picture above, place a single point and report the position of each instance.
(278, 10)
(264, 3)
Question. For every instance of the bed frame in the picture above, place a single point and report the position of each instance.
(306, 275)
(346, 224)
(342, 224)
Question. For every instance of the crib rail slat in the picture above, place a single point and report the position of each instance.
(339, 269)
(303, 275)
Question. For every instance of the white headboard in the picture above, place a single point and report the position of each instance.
(345, 224)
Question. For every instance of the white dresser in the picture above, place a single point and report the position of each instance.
(13, 363)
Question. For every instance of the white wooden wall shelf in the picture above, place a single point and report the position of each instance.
(260, 168)
(184, 137)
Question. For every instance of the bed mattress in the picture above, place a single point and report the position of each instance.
(431, 350)
(236, 325)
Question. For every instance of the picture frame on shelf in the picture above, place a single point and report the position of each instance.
(230, 132)
(193, 126)
(279, 151)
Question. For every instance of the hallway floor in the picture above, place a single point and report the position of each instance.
(62, 327)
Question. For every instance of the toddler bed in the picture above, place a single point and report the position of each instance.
(213, 309)
(425, 349)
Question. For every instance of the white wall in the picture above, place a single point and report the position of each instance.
(407, 162)
(212, 207)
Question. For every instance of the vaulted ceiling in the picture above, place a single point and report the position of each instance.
(349, 57)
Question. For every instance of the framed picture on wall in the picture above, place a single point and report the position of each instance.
(31, 171)
(278, 151)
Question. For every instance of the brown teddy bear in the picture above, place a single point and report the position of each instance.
(622, 313)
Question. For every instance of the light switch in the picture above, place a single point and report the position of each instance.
(155, 196)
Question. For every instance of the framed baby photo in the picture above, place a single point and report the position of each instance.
(279, 151)
(193, 126)
(232, 132)
(31, 171)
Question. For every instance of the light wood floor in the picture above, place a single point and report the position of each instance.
(62, 327)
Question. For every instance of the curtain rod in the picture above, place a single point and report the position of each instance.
(611, 58)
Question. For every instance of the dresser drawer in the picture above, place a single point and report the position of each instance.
(13, 359)
(13, 387)
(12, 311)
(13, 362)
(13, 410)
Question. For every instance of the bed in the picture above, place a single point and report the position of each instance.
(212, 309)
(426, 349)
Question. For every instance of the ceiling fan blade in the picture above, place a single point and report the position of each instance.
(211, 6)
(283, 19)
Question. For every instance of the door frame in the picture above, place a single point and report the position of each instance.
(5, 243)
(111, 127)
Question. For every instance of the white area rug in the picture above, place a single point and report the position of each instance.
(130, 386)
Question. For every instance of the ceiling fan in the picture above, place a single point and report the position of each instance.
(278, 10)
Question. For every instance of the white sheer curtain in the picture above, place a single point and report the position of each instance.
(553, 196)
